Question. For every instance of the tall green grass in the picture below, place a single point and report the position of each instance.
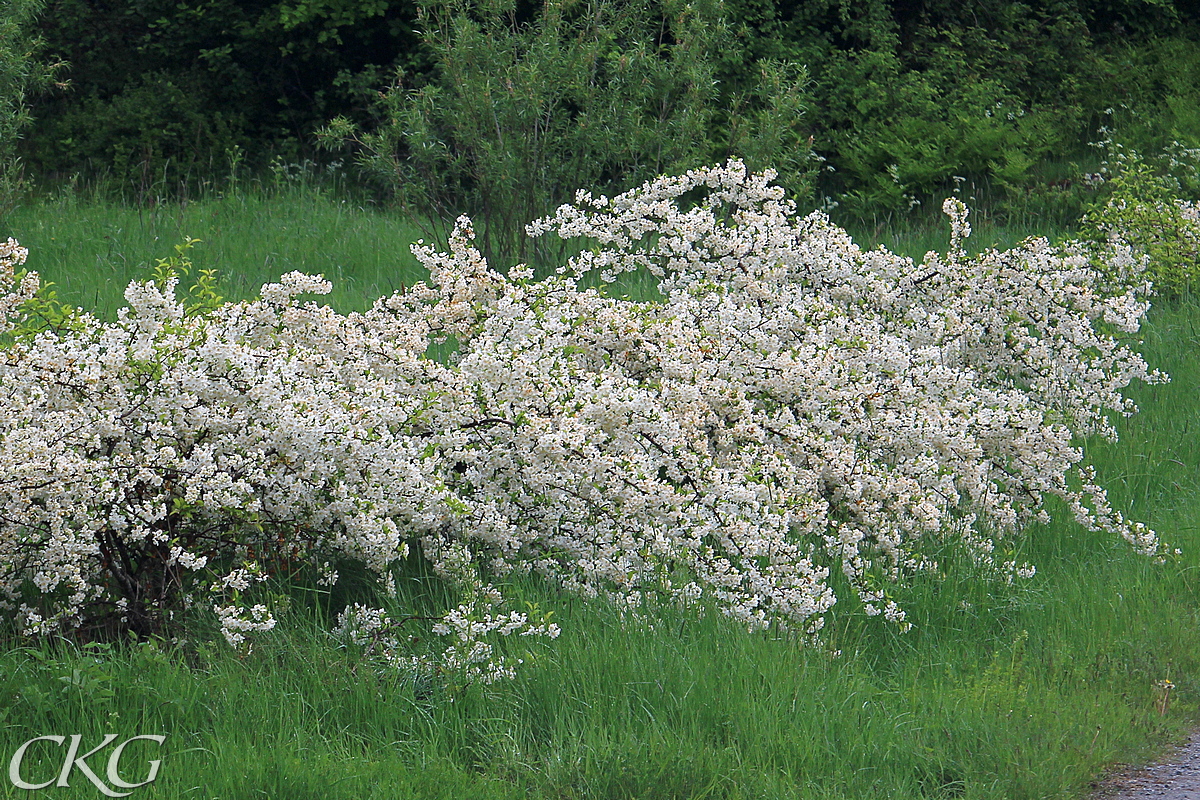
(1016, 692)
(91, 248)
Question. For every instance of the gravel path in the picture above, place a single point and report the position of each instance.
(1177, 777)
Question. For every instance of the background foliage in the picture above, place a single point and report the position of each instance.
(163, 88)
(903, 95)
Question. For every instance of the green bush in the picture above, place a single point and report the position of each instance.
(525, 109)
(1144, 209)
(1149, 92)
(1004, 95)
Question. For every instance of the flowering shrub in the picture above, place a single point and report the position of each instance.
(794, 405)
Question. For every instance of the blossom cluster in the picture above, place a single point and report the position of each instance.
(237, 621)
(19, 287)
(473, 630)
(792, 405)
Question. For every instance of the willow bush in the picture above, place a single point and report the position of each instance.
(524, 108)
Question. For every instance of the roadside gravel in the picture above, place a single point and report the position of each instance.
(1176, 777)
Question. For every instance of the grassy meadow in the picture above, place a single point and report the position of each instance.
(1016, 692)
(91, 248)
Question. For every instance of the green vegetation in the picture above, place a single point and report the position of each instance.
(900, 98)
(1143, 208)
(165, 88)
(91, 248)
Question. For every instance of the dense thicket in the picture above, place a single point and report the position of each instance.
(908, 94)
(904, 94)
